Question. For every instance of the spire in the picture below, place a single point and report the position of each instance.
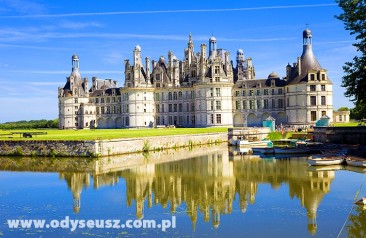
(308, 59)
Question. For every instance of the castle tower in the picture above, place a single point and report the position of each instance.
(212, 46)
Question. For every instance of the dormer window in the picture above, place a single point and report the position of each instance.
(323, 77)
(312, 77)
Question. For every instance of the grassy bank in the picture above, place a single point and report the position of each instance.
(106, 134)
(348, 124)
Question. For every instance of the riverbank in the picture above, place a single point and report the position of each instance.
(100, 148)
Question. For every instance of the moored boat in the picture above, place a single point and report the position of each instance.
(263, 150)
(356, 161)
(263, 143)
(291, 150)
(326, 160)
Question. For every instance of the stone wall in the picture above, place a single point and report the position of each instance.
(106, 147)
(133, 145)
(341, 135)
(48, 148)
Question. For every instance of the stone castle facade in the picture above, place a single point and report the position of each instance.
(204, 89)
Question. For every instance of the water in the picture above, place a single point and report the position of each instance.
(211, 192)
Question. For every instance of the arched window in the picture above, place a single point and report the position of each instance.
(180, 95)
(170, 96)
(175, 96)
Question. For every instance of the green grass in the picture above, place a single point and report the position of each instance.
(107, 134)
(348, 124)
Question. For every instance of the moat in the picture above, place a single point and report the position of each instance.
(212, 191)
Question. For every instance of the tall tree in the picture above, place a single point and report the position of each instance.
(354, 80)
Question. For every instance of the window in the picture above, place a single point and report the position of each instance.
(76, 100)
(273, 103)
(180, 107)
(102, 109)
(218, 118)
(265, 103)
(218, 105)
(237, 105)
(108, 100)
(265, 91)
(102, 100)
(193, 73)
(340, 117)
(280, 103)
(218, 92)
(180, 95)
(170, 107)
(187, 107)
(244, 104)
(217, 69)
(259, 104)
(323, 100)
(312, 88)
(192, 107)
(244, 93)
(175, 97)
(288, 102)
(313, 115)
(251, 92)
(170, 96)
(312, 77)
(175, 107)
(97, 109)
(322, 87)
(211, 92)
(312, 100)
(324, 113)
(273, 91)
(280, 91)
(258, 92)
(162, 107)
(211, 119)
(237, 93)
(251, 104)
(217, 79)
(212, 105)
(157, 77)
(323, 77)
(97, 100)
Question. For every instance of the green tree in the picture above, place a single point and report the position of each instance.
(354, 80)
(343, 109)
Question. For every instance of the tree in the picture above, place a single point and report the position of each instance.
(354, 80)
(343, 109)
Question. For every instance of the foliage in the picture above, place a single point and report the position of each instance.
(33, 124)
(359, 112)
(354, 80)
(343, 109)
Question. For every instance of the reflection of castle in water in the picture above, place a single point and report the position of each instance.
(207, 184)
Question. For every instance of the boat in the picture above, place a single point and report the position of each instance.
(326, 160)
(356, 161)
(291, 150)
(320, 168)
(263, 150)
(361, 201)
(242, 142)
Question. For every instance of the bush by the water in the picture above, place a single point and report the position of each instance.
(33, 124)
(278, 135)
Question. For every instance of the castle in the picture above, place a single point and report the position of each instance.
(202, 90)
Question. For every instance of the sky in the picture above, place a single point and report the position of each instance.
(38, 38)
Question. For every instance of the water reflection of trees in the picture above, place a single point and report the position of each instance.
(357, 226)
(207, 183)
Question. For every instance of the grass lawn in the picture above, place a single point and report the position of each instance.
(346, 124)
(106, 133)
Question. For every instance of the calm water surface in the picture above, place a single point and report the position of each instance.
(211, 191)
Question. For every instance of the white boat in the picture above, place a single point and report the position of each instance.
(362, 201)
(263, 150)
(331, 160)
(356, 161)
(251, 143)
(287, 150)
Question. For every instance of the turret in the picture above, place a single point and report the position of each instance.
(212, 46)
(147, 67)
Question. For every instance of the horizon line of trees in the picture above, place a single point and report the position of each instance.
(32, 124)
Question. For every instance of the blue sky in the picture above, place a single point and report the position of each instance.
(38, 38)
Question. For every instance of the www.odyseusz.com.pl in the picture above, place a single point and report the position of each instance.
(74, 224)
